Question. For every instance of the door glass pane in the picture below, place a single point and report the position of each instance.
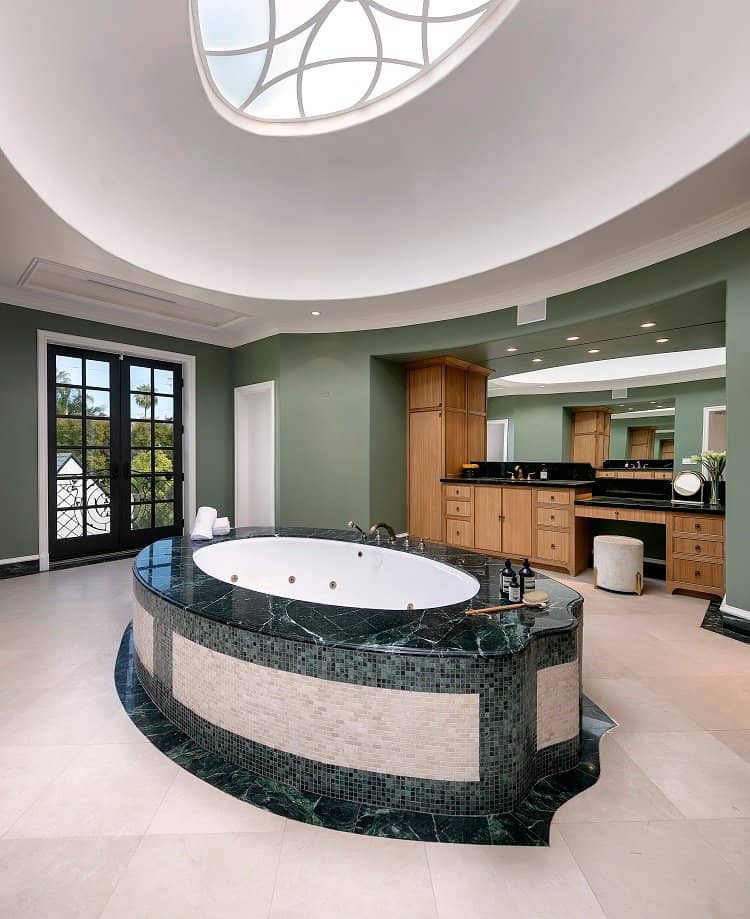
(140, 379)
(140, 461)
(164, 514)
(164, 382)
(69, 463)
(163, 434)
(164, 461)
(140, 516)
(141, 488)
(140, 433)
(140, 404)
(69, 493)
(97, 506)
(69, 524)
(68, 370)
(164, 408)
(97, 403)
(68, 401)
(97, 433)
(69, 432)
(97, 462)
(164, 487)
(97, 374)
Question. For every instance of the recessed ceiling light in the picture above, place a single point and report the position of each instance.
(631, 409)
(536, 360)
(653, 402)
(621, 405)
(315, 313)
(511, 350)
(594, 350)
(647, 325)
(573, 338)
(661, 341)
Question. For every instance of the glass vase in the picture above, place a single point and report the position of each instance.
(714, 491)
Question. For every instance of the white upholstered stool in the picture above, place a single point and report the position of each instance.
(618, 563)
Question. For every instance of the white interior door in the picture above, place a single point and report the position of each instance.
(497, 440)
(255, 455)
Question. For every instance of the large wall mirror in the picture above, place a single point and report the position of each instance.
(714, 428)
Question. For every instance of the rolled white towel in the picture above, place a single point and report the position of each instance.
(222, 526)
(203, 528)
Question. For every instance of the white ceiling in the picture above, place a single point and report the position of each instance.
(581, 140)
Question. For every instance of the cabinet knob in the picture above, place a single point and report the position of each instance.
(458, 532)
(457, 508)
(552, 497)
(697, 526)
(553, 546)
(697, 574)
(551, 516)
(697, 548)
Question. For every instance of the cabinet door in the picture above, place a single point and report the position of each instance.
(425, 387)
(488, 518)
(455, 388)
(425, 470)
(455, 441)
(477, 390)
(585, 449)
(517, 521)
(476, 438)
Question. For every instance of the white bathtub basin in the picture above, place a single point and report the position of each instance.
(337, 573)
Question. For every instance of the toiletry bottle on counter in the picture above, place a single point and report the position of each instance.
(527, 578)
(544, 474)
(514, 590)
(506, 576)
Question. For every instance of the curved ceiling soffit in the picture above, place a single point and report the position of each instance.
(556, 140)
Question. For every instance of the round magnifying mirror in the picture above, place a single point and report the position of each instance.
(687, 484)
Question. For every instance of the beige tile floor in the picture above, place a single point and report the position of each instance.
(95, 822)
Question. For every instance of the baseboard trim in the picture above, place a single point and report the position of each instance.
(19, 559)
(734, 610)
(17, 567)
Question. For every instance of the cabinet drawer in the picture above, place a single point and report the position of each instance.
(550, 496)
(459, 533)
(462, 492)
(606, 474)
(553, 517)
(701, 548)
(697, 525)
(458, 508)
(552, 545)
(699, 573)
(621, 513)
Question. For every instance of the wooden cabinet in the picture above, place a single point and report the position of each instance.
(590, 433)
(447, 426)
(695, 553)
(502, 520)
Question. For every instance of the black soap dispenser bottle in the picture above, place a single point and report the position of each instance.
(514, 590)
(527, 577)
(506, 576)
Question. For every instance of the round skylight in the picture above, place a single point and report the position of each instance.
(297, 60)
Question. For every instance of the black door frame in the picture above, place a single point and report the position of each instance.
(120, 537)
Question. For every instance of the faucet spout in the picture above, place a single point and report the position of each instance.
(377, 527)
(353, 526)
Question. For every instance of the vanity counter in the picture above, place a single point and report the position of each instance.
(651, 504)
(543, 483)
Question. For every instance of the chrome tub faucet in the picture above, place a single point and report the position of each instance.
(377, 527)
(353, 526)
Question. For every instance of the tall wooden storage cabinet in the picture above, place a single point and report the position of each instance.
(591, 436)
(447, 426)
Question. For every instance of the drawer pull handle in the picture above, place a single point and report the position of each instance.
(458, 532)
(457, 508)
(553, 546)
(551, 516)
(697, 526)
(552, 498)
(697, 548)
(697, 574)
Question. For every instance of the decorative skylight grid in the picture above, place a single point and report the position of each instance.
(286, 60)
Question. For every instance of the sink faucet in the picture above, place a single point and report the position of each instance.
(377, 527)
(353, 526)
(518, 472)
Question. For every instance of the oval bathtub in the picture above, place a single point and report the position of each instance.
(336, 573)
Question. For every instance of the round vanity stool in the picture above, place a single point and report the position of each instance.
(618, 563)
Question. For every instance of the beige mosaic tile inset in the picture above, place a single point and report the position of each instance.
(418, 734)
(143, 636)
(557, 704)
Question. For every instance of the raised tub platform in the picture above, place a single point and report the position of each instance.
(424, 710)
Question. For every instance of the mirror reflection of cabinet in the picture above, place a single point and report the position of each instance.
(590, 436)
(641, 443)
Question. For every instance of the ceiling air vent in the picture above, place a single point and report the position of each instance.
(86, 286)
(531, 312)
(621, 393)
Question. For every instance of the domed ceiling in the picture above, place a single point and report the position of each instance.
(572, 142)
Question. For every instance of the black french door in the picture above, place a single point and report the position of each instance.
(115, 451)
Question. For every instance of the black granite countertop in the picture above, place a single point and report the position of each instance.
(545, 483)
(651, 504)
(167, 569)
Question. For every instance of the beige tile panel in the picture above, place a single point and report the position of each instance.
(557, 704)
(419, 734)
(143, 636)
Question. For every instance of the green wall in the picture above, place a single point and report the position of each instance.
(18, 414)
(542, 429)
